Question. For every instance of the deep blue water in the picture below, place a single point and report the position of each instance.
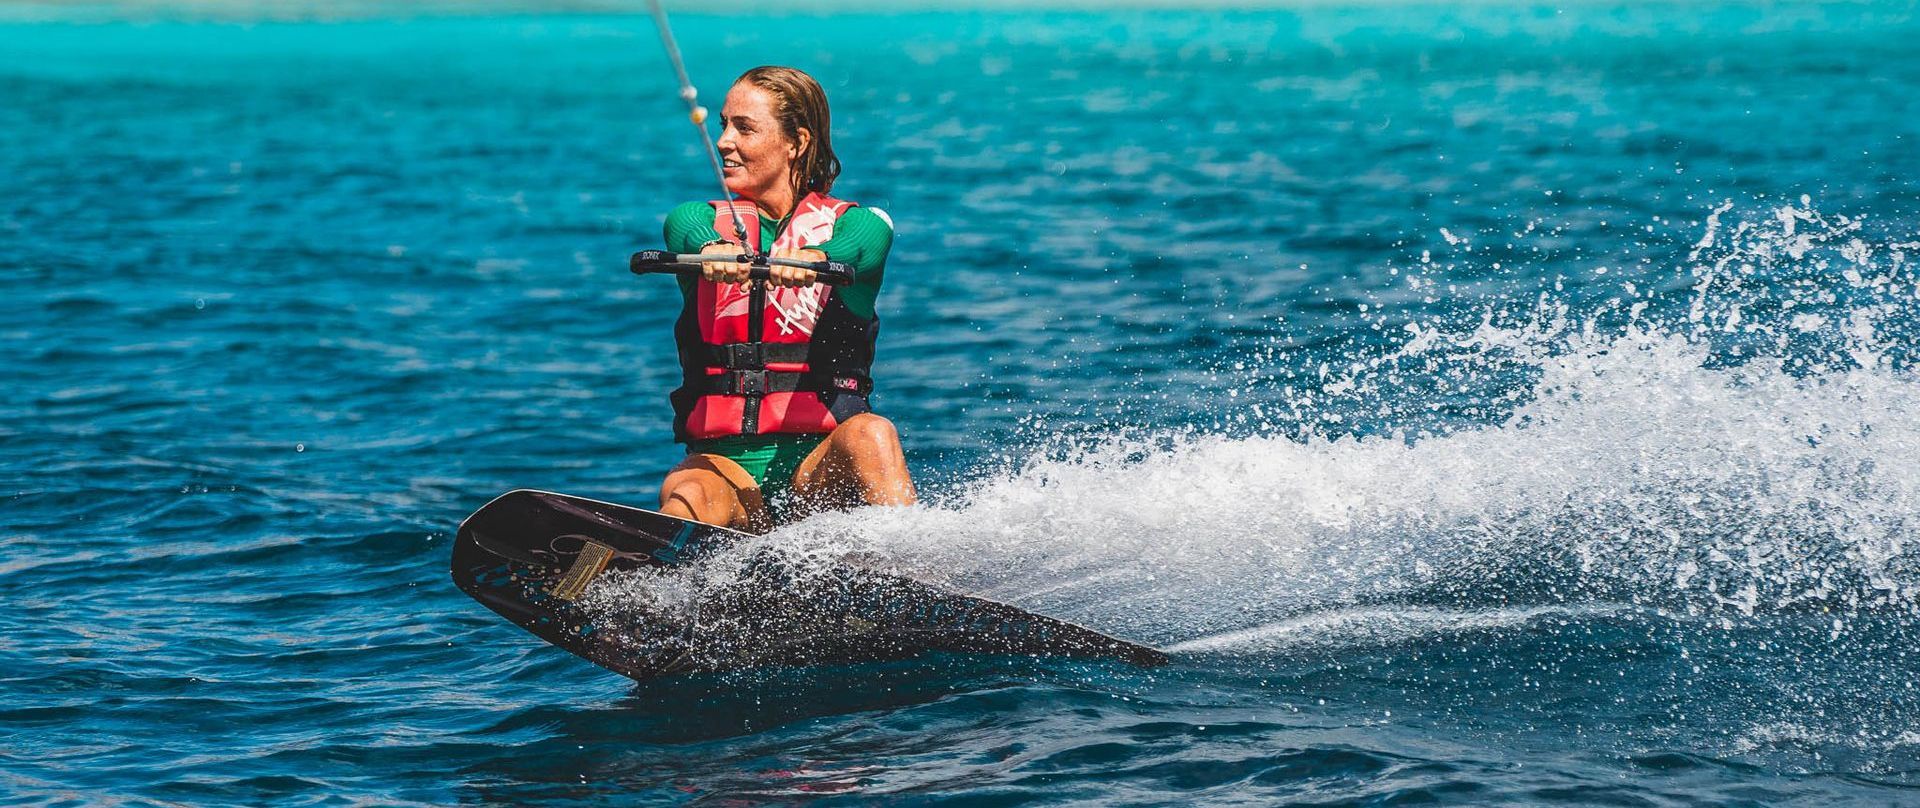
(1486, 404)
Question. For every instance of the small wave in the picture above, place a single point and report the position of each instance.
(1376, 626)
(1873, 748)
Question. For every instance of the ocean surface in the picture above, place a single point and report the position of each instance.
(1486, 403)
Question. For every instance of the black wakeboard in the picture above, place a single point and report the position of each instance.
(531, 556)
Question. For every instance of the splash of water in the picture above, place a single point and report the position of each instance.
(1754, 452)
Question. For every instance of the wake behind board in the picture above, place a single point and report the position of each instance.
(532, 555)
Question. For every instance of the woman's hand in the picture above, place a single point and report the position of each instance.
(731, 272)
(794, 276)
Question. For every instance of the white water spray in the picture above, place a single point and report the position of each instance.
(1643, 468)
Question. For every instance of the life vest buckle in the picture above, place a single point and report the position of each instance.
(749, 382)
(745, 355)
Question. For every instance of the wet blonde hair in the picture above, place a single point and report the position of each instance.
(800, 103)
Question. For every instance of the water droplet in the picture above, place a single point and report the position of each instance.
(299, 447)
(200, 303)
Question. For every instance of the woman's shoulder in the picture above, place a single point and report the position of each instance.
(690, 214)
(703, 210)
(687, 225)
(862, 236)
(866, 218)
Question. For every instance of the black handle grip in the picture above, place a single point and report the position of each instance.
(648, 262)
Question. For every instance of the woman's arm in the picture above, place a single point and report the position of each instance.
(862, 238)
(689, 226)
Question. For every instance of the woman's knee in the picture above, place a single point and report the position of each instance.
(688, 486)
(868, 429)
(709, 492)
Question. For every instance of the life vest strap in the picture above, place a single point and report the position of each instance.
(762, 382)
(753, 355)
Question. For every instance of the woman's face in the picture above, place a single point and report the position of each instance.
(756, 157)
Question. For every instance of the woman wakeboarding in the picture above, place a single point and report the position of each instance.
(776, 335)
(775, 365)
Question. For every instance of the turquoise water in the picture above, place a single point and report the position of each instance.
(1485, 404)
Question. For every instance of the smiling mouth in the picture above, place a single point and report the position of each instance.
(733, 164)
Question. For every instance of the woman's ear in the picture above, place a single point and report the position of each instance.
(802, 140)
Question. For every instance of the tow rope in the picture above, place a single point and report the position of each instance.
(697, 114)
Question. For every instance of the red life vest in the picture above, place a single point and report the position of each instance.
(758, 360)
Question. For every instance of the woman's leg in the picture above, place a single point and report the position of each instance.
(712, 489)
(860, 463)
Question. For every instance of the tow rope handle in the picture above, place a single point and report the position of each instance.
(657, 262)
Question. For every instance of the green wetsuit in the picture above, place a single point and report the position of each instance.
(861, 237)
